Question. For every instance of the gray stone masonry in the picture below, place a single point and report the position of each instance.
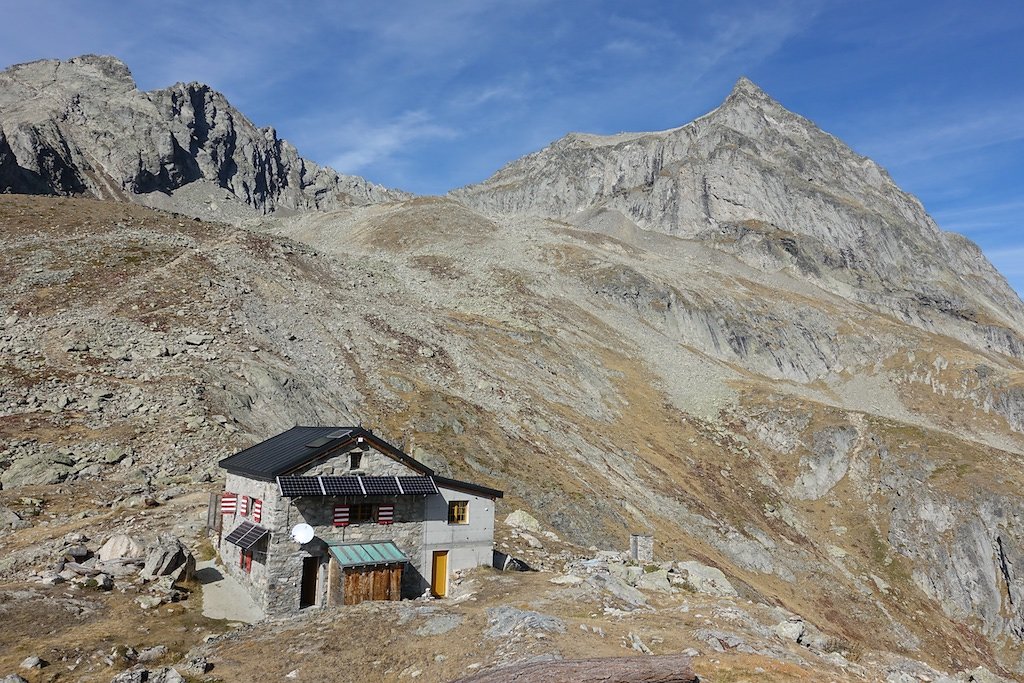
(641, 547)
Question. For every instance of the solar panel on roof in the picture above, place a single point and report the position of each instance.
(339, 433)
(294, 487)
(380, 486)
(317, 443)
(417, 486)
(246, 535)
(342, 486)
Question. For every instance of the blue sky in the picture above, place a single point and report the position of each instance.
(428, 96)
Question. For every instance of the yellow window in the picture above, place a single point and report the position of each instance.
(458, 512)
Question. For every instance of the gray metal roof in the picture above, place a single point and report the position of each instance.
(289, 451)
(368, 554)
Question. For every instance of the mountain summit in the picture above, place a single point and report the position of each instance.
(756, 180)
(82, 127)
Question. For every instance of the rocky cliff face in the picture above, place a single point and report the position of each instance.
(81, 127)
(765, 184)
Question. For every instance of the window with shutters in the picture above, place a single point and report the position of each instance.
(245, 561)
(458, 512)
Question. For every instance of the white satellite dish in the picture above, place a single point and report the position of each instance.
(302, 533)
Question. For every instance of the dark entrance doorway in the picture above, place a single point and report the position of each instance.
(310, 577)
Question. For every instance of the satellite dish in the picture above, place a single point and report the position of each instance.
(302, 533)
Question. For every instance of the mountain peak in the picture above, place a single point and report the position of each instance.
(748, 91)
(747, 86)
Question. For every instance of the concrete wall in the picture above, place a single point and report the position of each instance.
(468, 545)
(420, 527)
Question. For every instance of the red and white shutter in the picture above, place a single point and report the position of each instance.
(243, 505)
(257, 510)
(385, 514)
(341, 515)
(228, 503)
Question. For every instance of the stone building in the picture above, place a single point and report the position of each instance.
(384, 525)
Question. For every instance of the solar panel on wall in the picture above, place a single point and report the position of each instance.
(380, 486)
(418, 486)
(246, 535)
(342, 486)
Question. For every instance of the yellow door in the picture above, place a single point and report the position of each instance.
(439, 580)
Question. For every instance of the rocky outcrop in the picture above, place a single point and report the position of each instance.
(81, 127)
(166, 557)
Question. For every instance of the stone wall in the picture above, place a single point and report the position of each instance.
(641, 547)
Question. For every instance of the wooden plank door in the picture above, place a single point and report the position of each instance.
(380, 583)
(439, 575)
(395, 591)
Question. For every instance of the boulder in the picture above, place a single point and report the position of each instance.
(120, 547)
(185, 572)
(619, 588)
(37, 470)
(33, 662)
(567, 580)
(532, 540)
(523, 520)
(791, 629)
(152, 654)
(506, 620)
(8, 517)
(165, 556)
(195, 666)
(149, 601)
(654, 581)
(705, 579)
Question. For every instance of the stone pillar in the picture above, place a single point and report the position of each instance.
(641, 547)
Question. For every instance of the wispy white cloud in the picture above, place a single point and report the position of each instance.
(747, 37)
(624, 47)
(929, 133)
(363, 144)
(971, 219)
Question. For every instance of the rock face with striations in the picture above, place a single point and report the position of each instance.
(758, 181)
(82, 127)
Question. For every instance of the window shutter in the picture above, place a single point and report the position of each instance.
(385, 514)
(228, 504)
(341, 515)
(257, 510)
(243, 505)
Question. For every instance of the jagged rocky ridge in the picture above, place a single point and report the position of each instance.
(81, 127)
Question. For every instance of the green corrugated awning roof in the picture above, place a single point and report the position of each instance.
(366, 554)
